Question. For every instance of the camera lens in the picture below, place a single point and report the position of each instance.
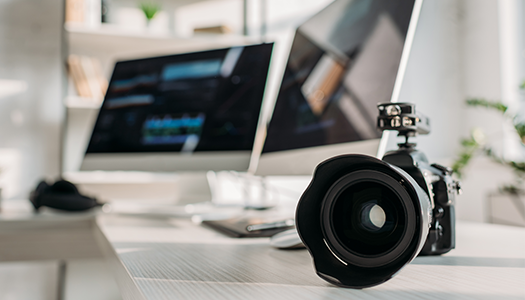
(362, 220)
(368, 219)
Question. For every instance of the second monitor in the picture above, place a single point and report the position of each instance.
(343, 62)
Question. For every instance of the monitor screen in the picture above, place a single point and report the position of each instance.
(343, 62)
(205, 101)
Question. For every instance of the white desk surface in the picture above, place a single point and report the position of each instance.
(176, 259)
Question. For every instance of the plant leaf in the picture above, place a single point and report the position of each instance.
(488, 104)
(150, 9)
(469, 147)
(520, 129)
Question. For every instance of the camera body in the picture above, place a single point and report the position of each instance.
(437, 182)
(434, 179)
(363, 219)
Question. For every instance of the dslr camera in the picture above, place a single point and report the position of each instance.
(362, 219)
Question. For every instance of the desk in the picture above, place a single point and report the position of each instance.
(176, 259)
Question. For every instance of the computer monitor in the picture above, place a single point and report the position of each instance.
(343, 62)
(186, 112)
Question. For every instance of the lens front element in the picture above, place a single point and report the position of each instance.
(373, 217)
(368, 218)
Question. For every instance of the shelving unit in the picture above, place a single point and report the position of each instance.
(110, 43)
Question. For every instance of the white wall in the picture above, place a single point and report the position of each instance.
(30, 123)
(457, 54)
(480, 51)
(433, 77)
(512, 70)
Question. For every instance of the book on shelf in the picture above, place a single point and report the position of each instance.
(219, 29)
(87, 77)
(74, 11)
(84, 12)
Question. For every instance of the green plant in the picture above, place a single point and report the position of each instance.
(476, 144)
(150, 9)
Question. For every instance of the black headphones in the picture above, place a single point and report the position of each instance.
(61, 195)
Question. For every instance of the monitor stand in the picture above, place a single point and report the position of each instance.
(192, 188)
(175, 195)
(234, 188)
(219, 195)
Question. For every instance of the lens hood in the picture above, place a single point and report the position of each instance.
(362, 220)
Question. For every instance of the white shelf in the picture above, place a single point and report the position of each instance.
(114, 40)
(111, 43)
(106, 29)
(117, 31)
(82, 103)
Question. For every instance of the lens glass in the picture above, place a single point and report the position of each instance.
(368, 218)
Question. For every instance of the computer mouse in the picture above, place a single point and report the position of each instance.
(288, 239)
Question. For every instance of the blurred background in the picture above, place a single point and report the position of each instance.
(462, 49)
